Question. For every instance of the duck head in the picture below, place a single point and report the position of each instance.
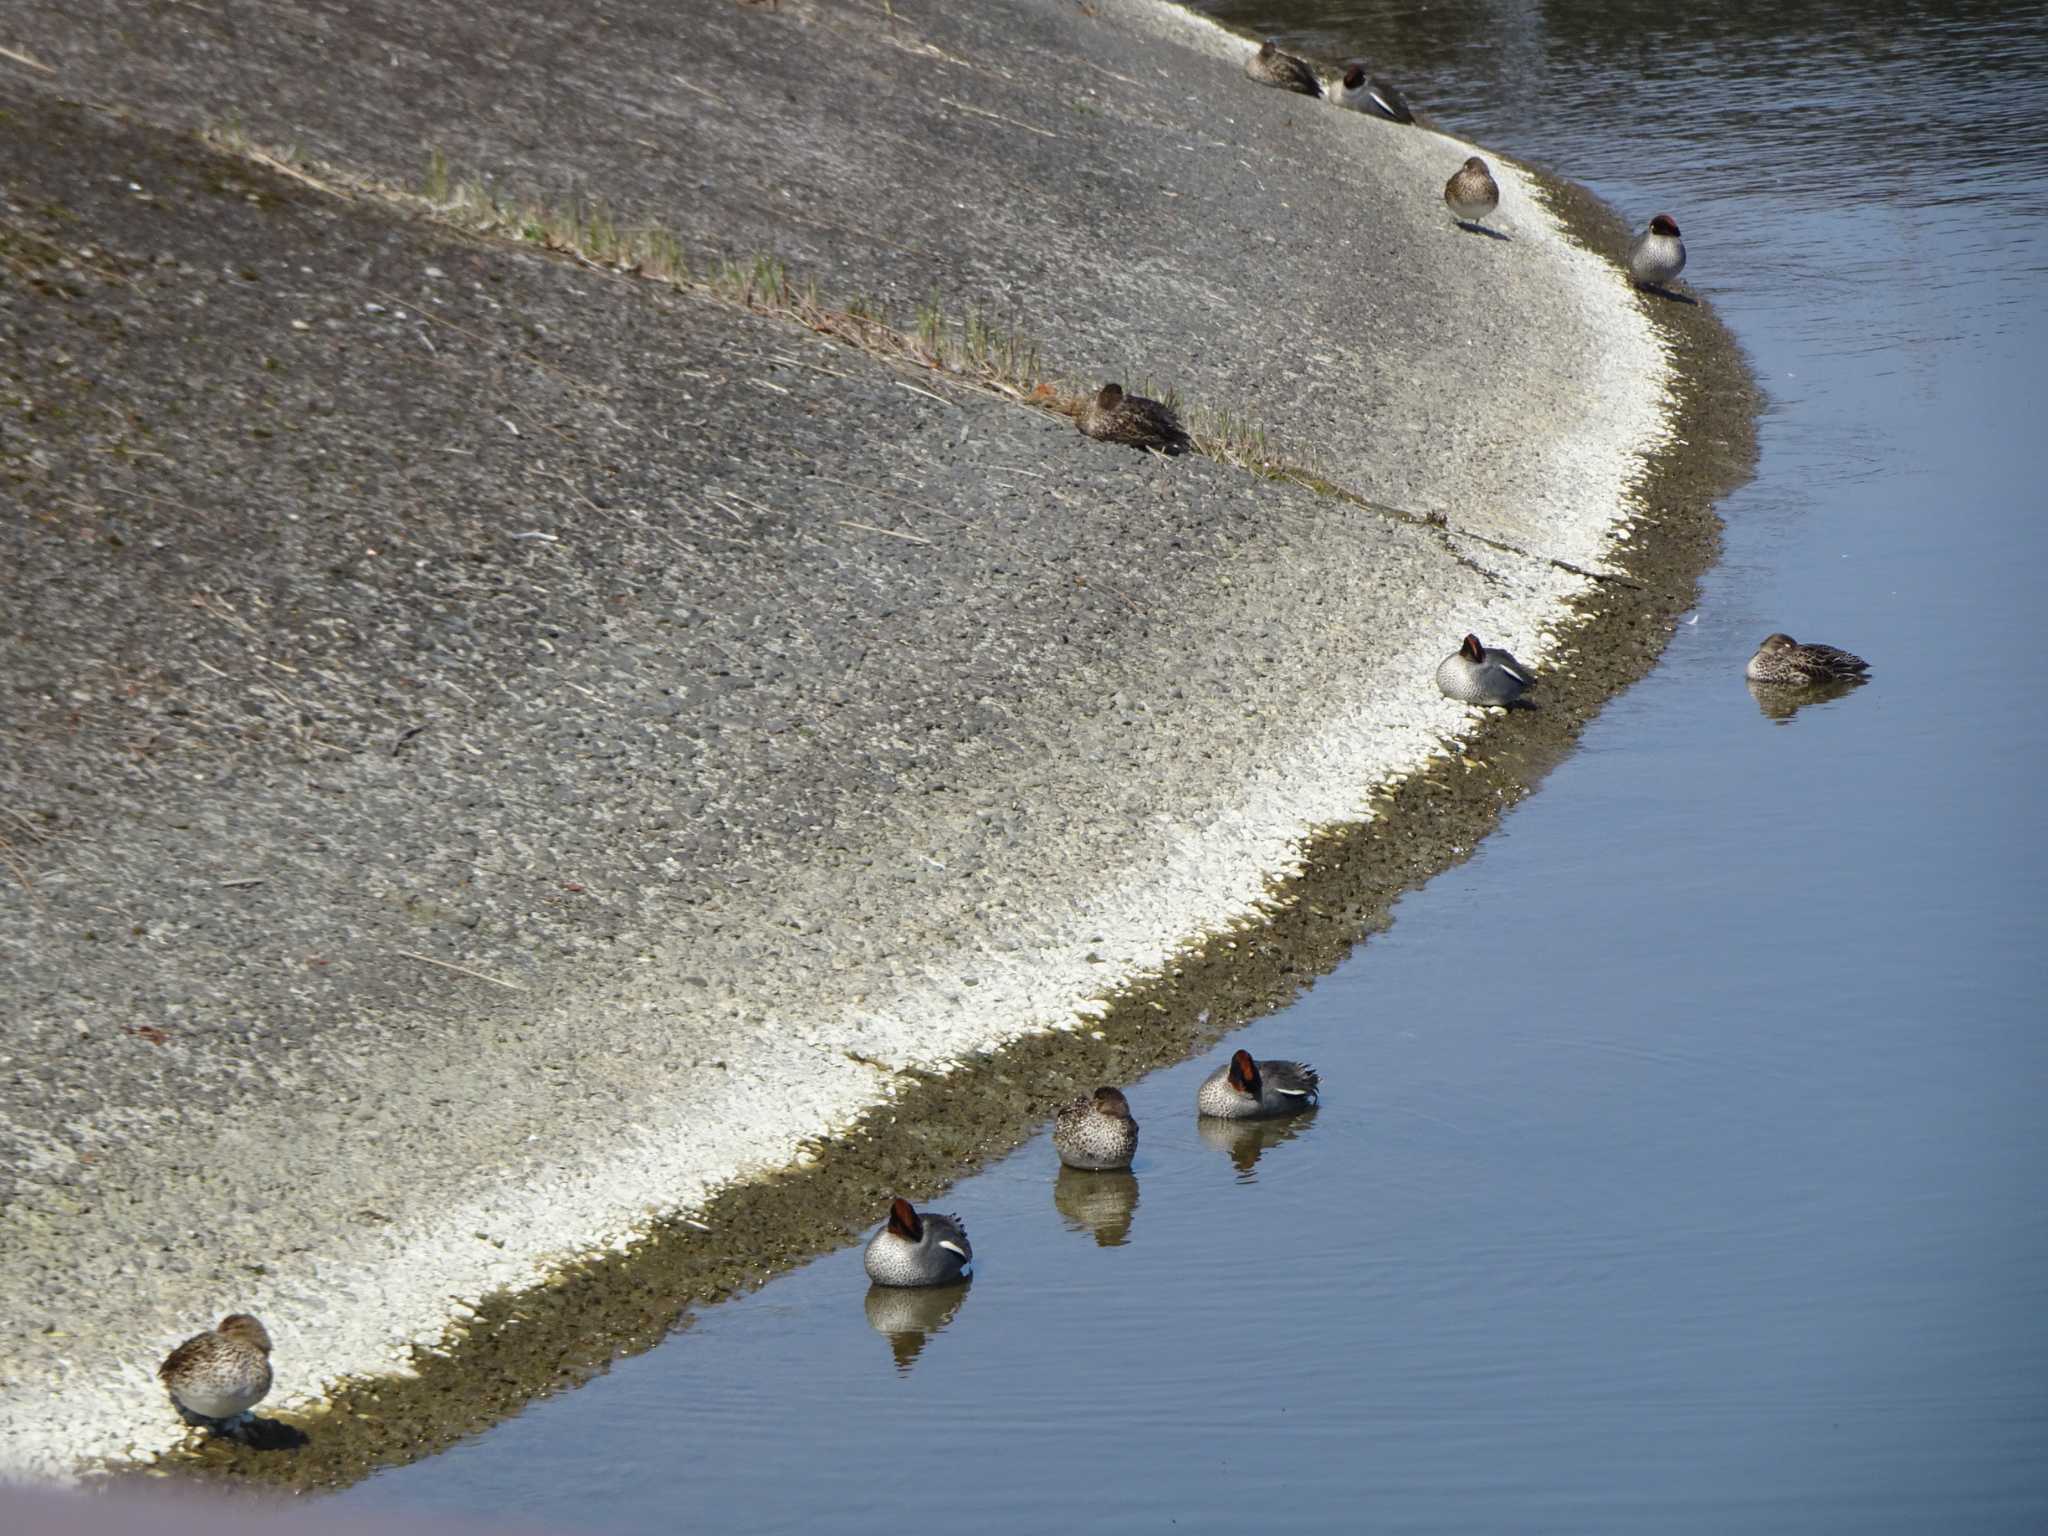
(1111, 1102)
(244, 1329)
(1109, 397)
(1476, 165)
(904, 1220)
(1778, 642)
(1472, 650)
(1664, 224)
(1244, 1073)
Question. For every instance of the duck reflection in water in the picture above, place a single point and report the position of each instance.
(907, 1316)
(1246, 1141)
(1780, 703)
(1100, 1203)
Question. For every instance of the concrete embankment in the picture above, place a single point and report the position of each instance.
(499, 749)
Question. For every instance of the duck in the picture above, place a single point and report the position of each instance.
(1096, 1132)
(1255, 1090)
(1657, 255)
(1372, 96)
(1480, 674)
(1789, 663)
(1116, 417)
(1472, 193)
(1272, 66)
(219, 1375)
(918, 1248)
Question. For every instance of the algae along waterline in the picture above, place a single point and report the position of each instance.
(559, 769)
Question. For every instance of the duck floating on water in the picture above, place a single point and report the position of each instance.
(1253, 1090)
(1271, 66)
(1372, 96)
(219, 1375)
(918, 1248)
(1788, 663)
(1481, 674)
(1116, 417)
(1096, 1132)
(1657, 255)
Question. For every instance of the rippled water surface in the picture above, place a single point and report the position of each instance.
(1683, 1159)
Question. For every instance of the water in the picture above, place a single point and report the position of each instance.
(1682, 1162)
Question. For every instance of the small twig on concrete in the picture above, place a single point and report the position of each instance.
(228, 885)
(908, 538)
(22, 58)
(689, 85)
(1044, 133)
(509, 986)
(15, 868)
(286, 168)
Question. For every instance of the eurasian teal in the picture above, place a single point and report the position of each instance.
(1376, 97)
(220, 1374)
(1251, 1090)
(918, 1248)
(1471, 193)
(1096, 1132)
(1477, 674)
(1270, 66)
(1657, 255)
(1783, 661)
(1116, 417)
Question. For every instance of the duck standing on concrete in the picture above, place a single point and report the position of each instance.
(219, 1375)
(1373, 96)
(1097, 1132)
(1116, 417)
(918, 1248)
(1270, 66)
(1472, 193)
(1783, 661)
(1657, 255)
(1254, 1090)
(1480, 674)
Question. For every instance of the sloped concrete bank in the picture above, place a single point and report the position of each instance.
(506, 759)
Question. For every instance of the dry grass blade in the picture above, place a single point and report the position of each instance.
(908, 538)
(461, 970)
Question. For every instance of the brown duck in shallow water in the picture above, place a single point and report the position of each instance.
(1096, 1133)
(1269, 66)
(1789, 664)
(1116, 417)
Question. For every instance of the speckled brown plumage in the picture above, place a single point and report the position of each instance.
(1116, 417)
(1787, 663)
(1471, 193)
(222, 1373)
(1096, 1132)
(1270, 66)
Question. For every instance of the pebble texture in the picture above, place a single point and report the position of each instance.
(493, 748)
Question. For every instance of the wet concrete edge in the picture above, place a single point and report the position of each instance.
(537, 1341)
